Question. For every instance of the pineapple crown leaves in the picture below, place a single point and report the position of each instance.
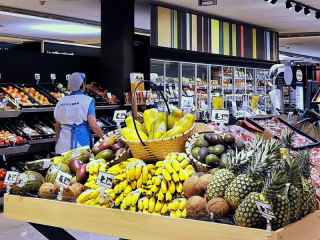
(257, 142)
(286, 138)
(239, 159)
(303, 158)
(276, 181)
(292, 167)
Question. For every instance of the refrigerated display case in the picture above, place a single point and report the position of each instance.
(157, 75)
(249, 84)
(188, 83)
(239, 86)
(172, 70)
(202, 93)
(260, 88)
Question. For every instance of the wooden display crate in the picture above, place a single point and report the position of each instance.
(132, 225)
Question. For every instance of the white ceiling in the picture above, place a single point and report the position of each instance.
(258, 12)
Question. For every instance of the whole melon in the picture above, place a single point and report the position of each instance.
(28, 181)
(53, 171)
(78, 153)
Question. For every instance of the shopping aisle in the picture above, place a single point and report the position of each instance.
(18, 230)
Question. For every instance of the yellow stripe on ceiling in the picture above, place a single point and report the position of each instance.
(226, 39)
(215, 36)
(234, 40)
(164, 27)
(194, 33)
(175, 31)
(254, 40)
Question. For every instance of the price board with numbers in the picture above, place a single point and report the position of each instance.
(220, 116)
(105, 180)
(119, 115)
(63, 179)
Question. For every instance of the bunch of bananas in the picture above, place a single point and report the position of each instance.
(100, 197)
(94, 167)
(178, 208)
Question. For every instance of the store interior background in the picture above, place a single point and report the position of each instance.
(33, 32)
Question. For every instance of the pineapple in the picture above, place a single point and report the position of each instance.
(250, 181)
(248, 215)
(286, 143)
(220, 180)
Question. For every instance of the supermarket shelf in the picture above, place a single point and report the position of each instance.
(43, 140)
(139, 104)
(115, 106)
(45, 109)
(132, 225)
(14, 150)
(9, 113)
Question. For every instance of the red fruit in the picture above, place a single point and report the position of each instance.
(115, 147)
(96, 150)
(107, 143)
(82, 174)
(1, 175)
(74, 165)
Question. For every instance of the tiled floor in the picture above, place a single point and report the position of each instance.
(17, 230)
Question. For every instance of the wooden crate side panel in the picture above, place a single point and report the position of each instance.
(123, 224)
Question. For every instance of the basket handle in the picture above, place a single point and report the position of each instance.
(132, 105)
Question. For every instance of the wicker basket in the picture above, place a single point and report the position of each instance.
(124, 155)
(200, 167)
(154, 150)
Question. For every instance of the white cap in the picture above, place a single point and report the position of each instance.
(75, 81)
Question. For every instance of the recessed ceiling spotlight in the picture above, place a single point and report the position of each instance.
(297, 8)
(307, 11)
(317, 14)
(274, 1)
(288, 5)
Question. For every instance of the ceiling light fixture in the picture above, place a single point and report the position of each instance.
(67, 28)
(307, 11)
(288, 5)
(207, 2)
(274, 1)
(317, 14)
(297, 8)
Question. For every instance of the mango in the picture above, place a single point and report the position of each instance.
(174, 117)
(130, 134)
(129, 123)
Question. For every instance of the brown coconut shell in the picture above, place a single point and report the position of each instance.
(218, 206)
(73, 180)
(77, 189)
(205, 179)
(192, 186)
(48, 190)
(196, 206)
(57, 186)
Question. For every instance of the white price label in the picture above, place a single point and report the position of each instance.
(290, 116)
(63, 179)
(67, 77)
(187, 102)
(220, 116)
(105, 180)
(109, 95)
(53, 76)
(119, 115)
(17, 100)
(37, 76)
(265, 209)
(11, 177)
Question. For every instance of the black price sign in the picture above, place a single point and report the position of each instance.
(63, 179)
(119, 115)
(105, 180)
(220, 116)
(265, 210)
(11, 177)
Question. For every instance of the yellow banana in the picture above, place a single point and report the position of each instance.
(184, 163)
(124, 204)
(182, 205)
(138, 172)
(144, 175)
(149, 176)
(84, 196)
(164, 209)
(94, 186)
(124, 185)
(89, 202)
(175, 205)
(140, 205)
(152, 203)
(135, 199)
(167, 157)
(155, 188)
(186, 174)
(175, 165)
(191, 172)
(94, 194)
(154, 179)
(168, 167)
(102, 168)
(168, 196)
(117, 202)
(92, 178)
(159, 164)
(171, 187)
(178, 213)
(180, 157)
(184, 213)
(166, 175)
(149, 193)
(90, 170)
(95, 168)
(151, 166)
(139, 181)
(181, 175)
(152, 172)
(173, 214)
(173, 156)
(157, 181)
(164, 187)
(149, 182)
(160, 195)
(145, 211)
(132, 208)
(179, 187)
(189, 168)
(132, 173)
(170, 206)
(158, 206)
(133, 184)
(146, 203)
(89, 184)
(133, 159)
(175, 177)
(121, 197)
(128, 200)
(93, 202)
(158, 171)
(127, 190)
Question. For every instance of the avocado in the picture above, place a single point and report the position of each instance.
(216, 139)
(202, 154)
(195, 152)
(239, 145)
(212, 160)
(218, 149)
(223, 160)
(229, 139)
(207, 137)
(105, 154)
(201, 143)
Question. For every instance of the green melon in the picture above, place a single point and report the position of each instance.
(28, 181)
(78, 153)
(53, 171)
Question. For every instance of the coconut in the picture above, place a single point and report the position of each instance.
(205, 179)
(77, 189)
(218, 206)
(192, 186)
(73, 180)
(47, 190)
(196, 206)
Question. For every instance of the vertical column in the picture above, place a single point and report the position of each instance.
(117, 29)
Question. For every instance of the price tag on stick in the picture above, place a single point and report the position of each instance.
(119, 115)
(63, 179)
(10, 178)
(105, 180)
(220, 116)
(37, 76)
(53, 76)
(266, 211)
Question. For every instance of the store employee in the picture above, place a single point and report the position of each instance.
(74, 115)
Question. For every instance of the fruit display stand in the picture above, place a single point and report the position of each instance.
(133, 225)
